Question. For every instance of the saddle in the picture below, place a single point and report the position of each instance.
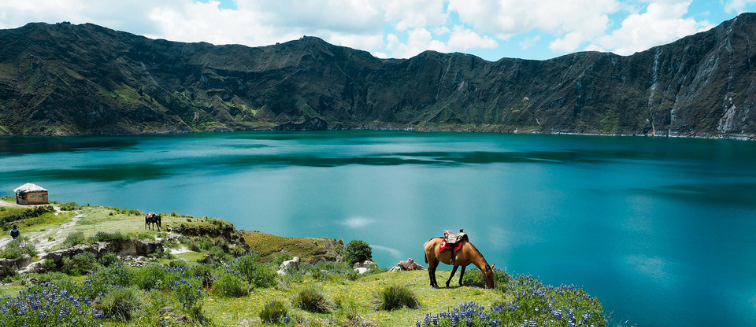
(453, 242)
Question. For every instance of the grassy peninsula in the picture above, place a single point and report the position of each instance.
(202, 271)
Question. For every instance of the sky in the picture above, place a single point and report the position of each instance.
(490, 29)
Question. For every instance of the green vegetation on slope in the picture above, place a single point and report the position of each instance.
(215, 284)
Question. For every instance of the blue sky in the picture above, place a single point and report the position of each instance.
(491, 29)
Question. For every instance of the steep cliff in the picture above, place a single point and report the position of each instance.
(84, 79)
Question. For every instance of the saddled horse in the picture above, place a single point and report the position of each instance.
(152, 219)
(468, 254)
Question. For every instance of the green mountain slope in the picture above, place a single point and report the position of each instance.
(68, 79)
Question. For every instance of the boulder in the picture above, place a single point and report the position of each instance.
(365, 264)
(8, 267)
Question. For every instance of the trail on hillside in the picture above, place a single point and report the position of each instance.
(45, 240)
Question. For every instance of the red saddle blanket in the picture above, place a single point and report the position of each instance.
(446, 246)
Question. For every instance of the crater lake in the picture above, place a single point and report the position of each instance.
(662, 231)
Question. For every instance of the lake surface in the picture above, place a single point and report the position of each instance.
(661, 231)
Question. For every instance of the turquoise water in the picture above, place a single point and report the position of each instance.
(662, 231)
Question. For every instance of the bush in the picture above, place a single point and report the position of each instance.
(152, 277)
(312, 300)
(198, 314)
(70, 206)
(396, 297)
(217, 256)
(187, 291)
(74, 239)
(106, 237)
(281, 258)
(116, 274)
(109, 259)
(230, 285)
(274, 312)
(253, 272)
(121, 303)
(15, 249)
(79, 264)
(204, 273)
(357, 251)
(30, 213)
(201, 246)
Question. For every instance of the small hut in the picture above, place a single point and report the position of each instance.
(31, 194)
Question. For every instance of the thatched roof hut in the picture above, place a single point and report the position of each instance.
(31, 194)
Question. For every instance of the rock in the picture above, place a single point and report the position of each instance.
(361, 270)
(365, 264)
(166, 309)
(395, 268)
(289, 264)
(9, 267)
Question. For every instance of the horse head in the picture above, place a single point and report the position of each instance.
(488, 275)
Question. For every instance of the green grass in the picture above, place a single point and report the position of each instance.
(343, 299)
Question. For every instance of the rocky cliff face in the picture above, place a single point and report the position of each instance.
(84, 79)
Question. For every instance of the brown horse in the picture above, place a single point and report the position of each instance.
(468, 254)
(152, 219)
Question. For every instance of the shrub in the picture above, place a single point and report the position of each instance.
(230, 285)
(16, 249)
(30, 213)
(70, 206)
(217, 255)
(198, 314)
(152, 277)
(109, 259)
(396, 297)
(74, 239)
(357, 251)
(204, 273)
(312, 300)
(116, 274)
(106, 237)
(474, 278)
(79, 264)
(49, 264)
(187, 291)
(274, 312)
(121, 303)
(46, 305)
(255, 273)
(201, 245)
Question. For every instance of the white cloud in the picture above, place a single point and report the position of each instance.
(357, 222)
(462, 39)
(505, 18)
(737, 6)
(661, 23)
(529, 42)
(415, 14)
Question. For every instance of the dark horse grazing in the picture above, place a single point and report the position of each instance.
(466, 255)
(152, 219)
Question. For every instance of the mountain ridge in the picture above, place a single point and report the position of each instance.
(63, 79)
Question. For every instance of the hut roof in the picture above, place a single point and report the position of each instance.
(28, 188)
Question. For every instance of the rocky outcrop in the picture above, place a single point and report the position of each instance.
(85, 79)
(122, 248)
(9, 267)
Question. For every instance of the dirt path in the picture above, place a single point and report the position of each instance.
(42, 240)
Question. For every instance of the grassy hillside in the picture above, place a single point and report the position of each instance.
(208, 280)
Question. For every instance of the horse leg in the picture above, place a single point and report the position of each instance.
(452, 275)
(432, 272)
(461, 274)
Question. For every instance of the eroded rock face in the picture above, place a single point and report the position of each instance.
(122, 248)
(10, 266)
(84, 79)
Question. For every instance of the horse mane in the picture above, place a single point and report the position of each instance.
(478, 252)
